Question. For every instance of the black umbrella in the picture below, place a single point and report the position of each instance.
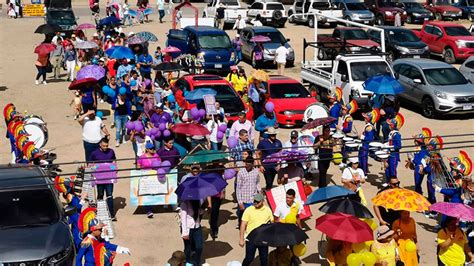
(348, 206)
(277, 235)
(47, 29)
(168, 67)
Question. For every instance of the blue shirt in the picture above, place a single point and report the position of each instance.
(88, 98)
(122, 70)
(147, 59)
(334, 112)
(263, 122)
(268, 148)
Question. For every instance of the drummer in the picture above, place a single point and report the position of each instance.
(347, 120)
(418, 162)
(395, 140)
(367, 136)
(335, 106)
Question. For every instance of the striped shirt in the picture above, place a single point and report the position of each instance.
(248, 184)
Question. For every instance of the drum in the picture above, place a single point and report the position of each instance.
(382, 154)
(352, 135)
(314, 111)
(351, 146)
(347, 139)
(386, 145)
(33, 119)
(338, 135)
(38, 134)
(374, 147)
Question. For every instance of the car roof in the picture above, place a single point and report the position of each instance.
(204, 79)
(204, 29)
(23, 177)
(444, 24)
(349, 28)
(393, 28)
(277, 79)
(263, 29)
(424, 63)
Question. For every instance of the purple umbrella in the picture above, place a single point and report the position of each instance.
(457, 210)
(260, 38)
(85, 26)
(200, 186)
(287, 156)
(135, 40)
(91, 71)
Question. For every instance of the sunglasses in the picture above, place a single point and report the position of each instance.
(395, 184)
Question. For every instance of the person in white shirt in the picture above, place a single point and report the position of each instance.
(213, 126)
(289, 211)
(280, 58)
(191, 230)
(239, 24)
(92, 130)
(256, 21)
(352, 177)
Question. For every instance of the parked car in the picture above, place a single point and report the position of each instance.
(226, 95)
(33, 229)
(467, 69)
(60, 13)
(442, 9)
(356, 11)
(290, 98)
(447, 39)
(437, 87)
(467, 7)
(345, 39)
(233, 9)
(301, 7)
(385, 11)
(416, 13)
(400, 43)
(271, 13)
(211, 46)
(277, 38)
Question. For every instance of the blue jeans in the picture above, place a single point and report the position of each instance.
(128, 18)
(251, 249)
(120, 121)
(89, 148)
(216, 146)
(108, 189)
(161, 12)
(193, 246)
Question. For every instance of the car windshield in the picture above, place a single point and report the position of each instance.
(214, 42)
(275, 36)
(402, 36)
(361, 71)
(355, 34)
(457, 31)
(413, 5)
(275, 7)
(62, 17)
(289, 90)
(27, 208)
(356, 6)
(230, 2)
(226, 97)
(444, 76)
(387, 4)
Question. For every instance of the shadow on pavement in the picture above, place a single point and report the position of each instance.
(314, 259)
(213, 249)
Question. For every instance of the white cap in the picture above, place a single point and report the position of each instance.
(353, 160)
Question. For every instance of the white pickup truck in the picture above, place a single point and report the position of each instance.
(346, 71)
(233, 9)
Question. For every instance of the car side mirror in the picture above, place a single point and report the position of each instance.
(69, 210)
(417, 81)
(344, 78)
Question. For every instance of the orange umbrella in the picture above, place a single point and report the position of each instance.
(401, 199)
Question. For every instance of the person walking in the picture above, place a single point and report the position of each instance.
(353, 177)
(242, 123)
(247, 185)
(281, 53)
(239, 24)
(161, 9)
(253, 217)
(220, 13)
(190, 213)
(169, 152)
(325, 145)
(237, 44)
(105, 186)
(145, 61)
(289, 212)
(268, 146)
(123, 110)
(453, 245)
(41, 65)
(146, 161)
(126, 14)
(57, 59)
(92, 129)
(405, 231)
(213, 126)
(70, 58)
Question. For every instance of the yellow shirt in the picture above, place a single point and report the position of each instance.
(454, 254)
(385, 252)
(238, 82)
(256, 217)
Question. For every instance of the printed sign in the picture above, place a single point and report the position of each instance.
(277, 196)
(210, 103)
(33, 10)
(168, 198)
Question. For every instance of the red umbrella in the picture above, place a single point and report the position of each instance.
(344, 227)
(79, 84)
(319, 122)
(44, 48)
(171, 49)
(190, 129)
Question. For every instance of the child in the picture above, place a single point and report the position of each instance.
(76, 104)
(11, 10)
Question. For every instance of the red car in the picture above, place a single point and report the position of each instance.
(443, 9)
(450, 40)
(226, 95)
(290, 98)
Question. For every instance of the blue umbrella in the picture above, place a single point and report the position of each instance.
(197, 95)
(120, 52)
(148, 36)
(111, 20)
(383, 85)
(326, 193)
(200, 186)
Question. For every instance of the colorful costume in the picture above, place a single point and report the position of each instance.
(395, 140)
(367, 136)
(96, 252)
(335, 108)
(418, 162)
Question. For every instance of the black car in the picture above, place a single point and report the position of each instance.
(400, 43)
(60, 13)
(33, 225)
(416, 13)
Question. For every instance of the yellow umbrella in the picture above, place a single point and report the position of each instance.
(401, 199)
(259, 74)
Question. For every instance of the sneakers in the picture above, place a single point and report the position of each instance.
(117, 144)
(149, 214)
(213, 235)
(114, 219)
(37, 82)
(44, 82)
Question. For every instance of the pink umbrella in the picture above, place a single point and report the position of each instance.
(457, 210)
(171, 49)
(85, 26)
(260, 38)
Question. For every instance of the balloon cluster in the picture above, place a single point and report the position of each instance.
(232, 142)
(109, 91)
(162, 168)
(221, 131)
(367, 258)
(229, 173)
(197, 114)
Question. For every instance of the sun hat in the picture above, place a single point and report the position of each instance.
(234, 68)
(353, 160)
(178, 258)
(271, 131)
(382, 232)
(149, 145)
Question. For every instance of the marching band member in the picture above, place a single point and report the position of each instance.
(395, 140)
(367, 136)
(346, 114)
(416, 163)
(335, 106)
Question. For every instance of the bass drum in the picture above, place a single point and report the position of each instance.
(314, 111)
(37, 133)
(33, 119)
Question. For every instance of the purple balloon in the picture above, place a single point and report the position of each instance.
(202, 113)
(162, 126)
(154, 131)
(147, 82)
(166, 117)
(166, 165)
(229, 173)
(166, 133)
(149, 133)
(232, 142)
(130, 125)
(155, 164)
(220, 135)
(194, 112)
(222, 128)
(161, 174)
(269, 107)
(158, 134)
(138, 126)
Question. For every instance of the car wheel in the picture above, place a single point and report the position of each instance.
(254, 62)
(438, 16)
(448, 55)
(428, 108)
(291, 18)
(409, 21)
(311, 22)
(277, 15)
(380, 20)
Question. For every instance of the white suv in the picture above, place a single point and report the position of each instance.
(271, 13)
(301, 11)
